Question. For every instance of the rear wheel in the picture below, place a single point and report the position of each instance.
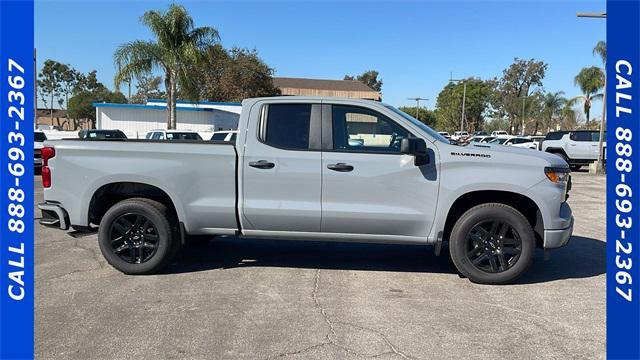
(138, 236)
(492, 244)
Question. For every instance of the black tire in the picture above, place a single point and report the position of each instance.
(147, 245)
(511, 257)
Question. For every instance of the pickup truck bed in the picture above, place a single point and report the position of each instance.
(201, 174)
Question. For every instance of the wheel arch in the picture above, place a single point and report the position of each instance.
(522, 203)
(107, 195)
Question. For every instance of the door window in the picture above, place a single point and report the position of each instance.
(362, 130)
(287, 126)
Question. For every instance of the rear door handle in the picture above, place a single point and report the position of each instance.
(340, 167)
(262, 164)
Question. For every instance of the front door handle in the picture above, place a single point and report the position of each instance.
(262, 164)
(340, 167)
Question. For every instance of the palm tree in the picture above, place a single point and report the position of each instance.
(601, 50)
(552, 105)
(178, 48)
(590, 80)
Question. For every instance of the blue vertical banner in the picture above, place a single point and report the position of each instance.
(16, 179)
(623, 180)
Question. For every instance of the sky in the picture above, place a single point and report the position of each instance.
(415, 45)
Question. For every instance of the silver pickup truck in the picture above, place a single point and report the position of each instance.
(313, 168)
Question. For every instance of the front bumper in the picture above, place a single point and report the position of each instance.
(54, 215)
(558, 238)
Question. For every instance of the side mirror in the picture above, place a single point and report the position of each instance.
(416, 147)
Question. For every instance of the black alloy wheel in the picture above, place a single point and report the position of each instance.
(493, 246)
(134, 238)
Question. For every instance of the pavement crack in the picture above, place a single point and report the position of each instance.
(332, 336)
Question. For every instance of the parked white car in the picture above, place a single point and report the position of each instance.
(38, 140)
(576, 147)
(515, 141)
(481, 139)
(226, 135)
(173, 135)
(499, 133)
(445, 134)
(459, 135)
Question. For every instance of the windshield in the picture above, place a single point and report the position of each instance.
(183, 136)
(498, 141)
(419, 124)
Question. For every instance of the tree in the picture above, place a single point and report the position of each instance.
(69, 79)
(426, 116)
(520, 80)
(81, 105)
(49, 80)
(235, 75)
(369, 78)
(601, 50)
(590, 80)
(87, 91)
(148, 87)
(477, 101)
(178, 48)
(552, 105)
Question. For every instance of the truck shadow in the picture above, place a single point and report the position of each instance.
(582, 258)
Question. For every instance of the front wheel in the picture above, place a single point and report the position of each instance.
(492, 244)
(138, 236)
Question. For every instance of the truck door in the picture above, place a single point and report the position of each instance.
(582, 145)
(281, 169)
(368, 186)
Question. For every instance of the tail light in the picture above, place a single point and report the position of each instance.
(46, 177)
(47, 153)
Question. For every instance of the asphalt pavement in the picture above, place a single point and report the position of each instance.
(228, 298)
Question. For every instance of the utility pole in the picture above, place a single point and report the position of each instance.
(417, 99)
(464, 98)
(524, 99)
(599, 167)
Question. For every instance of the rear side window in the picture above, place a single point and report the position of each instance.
(585, 136)
(556, 135)
(219, 136)
(288, 126)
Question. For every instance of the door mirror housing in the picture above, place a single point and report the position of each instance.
(416, 147)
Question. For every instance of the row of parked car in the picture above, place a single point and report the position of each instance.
(577, 147)
(102, 134)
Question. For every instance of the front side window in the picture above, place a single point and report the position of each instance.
(157, 136)
(358, 129)
(287, 126)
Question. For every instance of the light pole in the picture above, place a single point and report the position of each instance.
(599, 167)
(464, 98)
(417, 99)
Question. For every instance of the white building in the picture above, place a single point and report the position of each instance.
(136, 120)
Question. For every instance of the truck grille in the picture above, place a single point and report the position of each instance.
(37, 154)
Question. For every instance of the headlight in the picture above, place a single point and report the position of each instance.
(557, 175)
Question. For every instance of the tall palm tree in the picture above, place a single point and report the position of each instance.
(552, 105)
(177, 48)
(601, 50)
(590, 80)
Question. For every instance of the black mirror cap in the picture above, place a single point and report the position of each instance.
(413, 146)
(416, 147)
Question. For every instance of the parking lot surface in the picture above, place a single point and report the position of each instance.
(230, 298)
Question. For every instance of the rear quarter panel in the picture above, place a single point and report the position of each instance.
(199, 177)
